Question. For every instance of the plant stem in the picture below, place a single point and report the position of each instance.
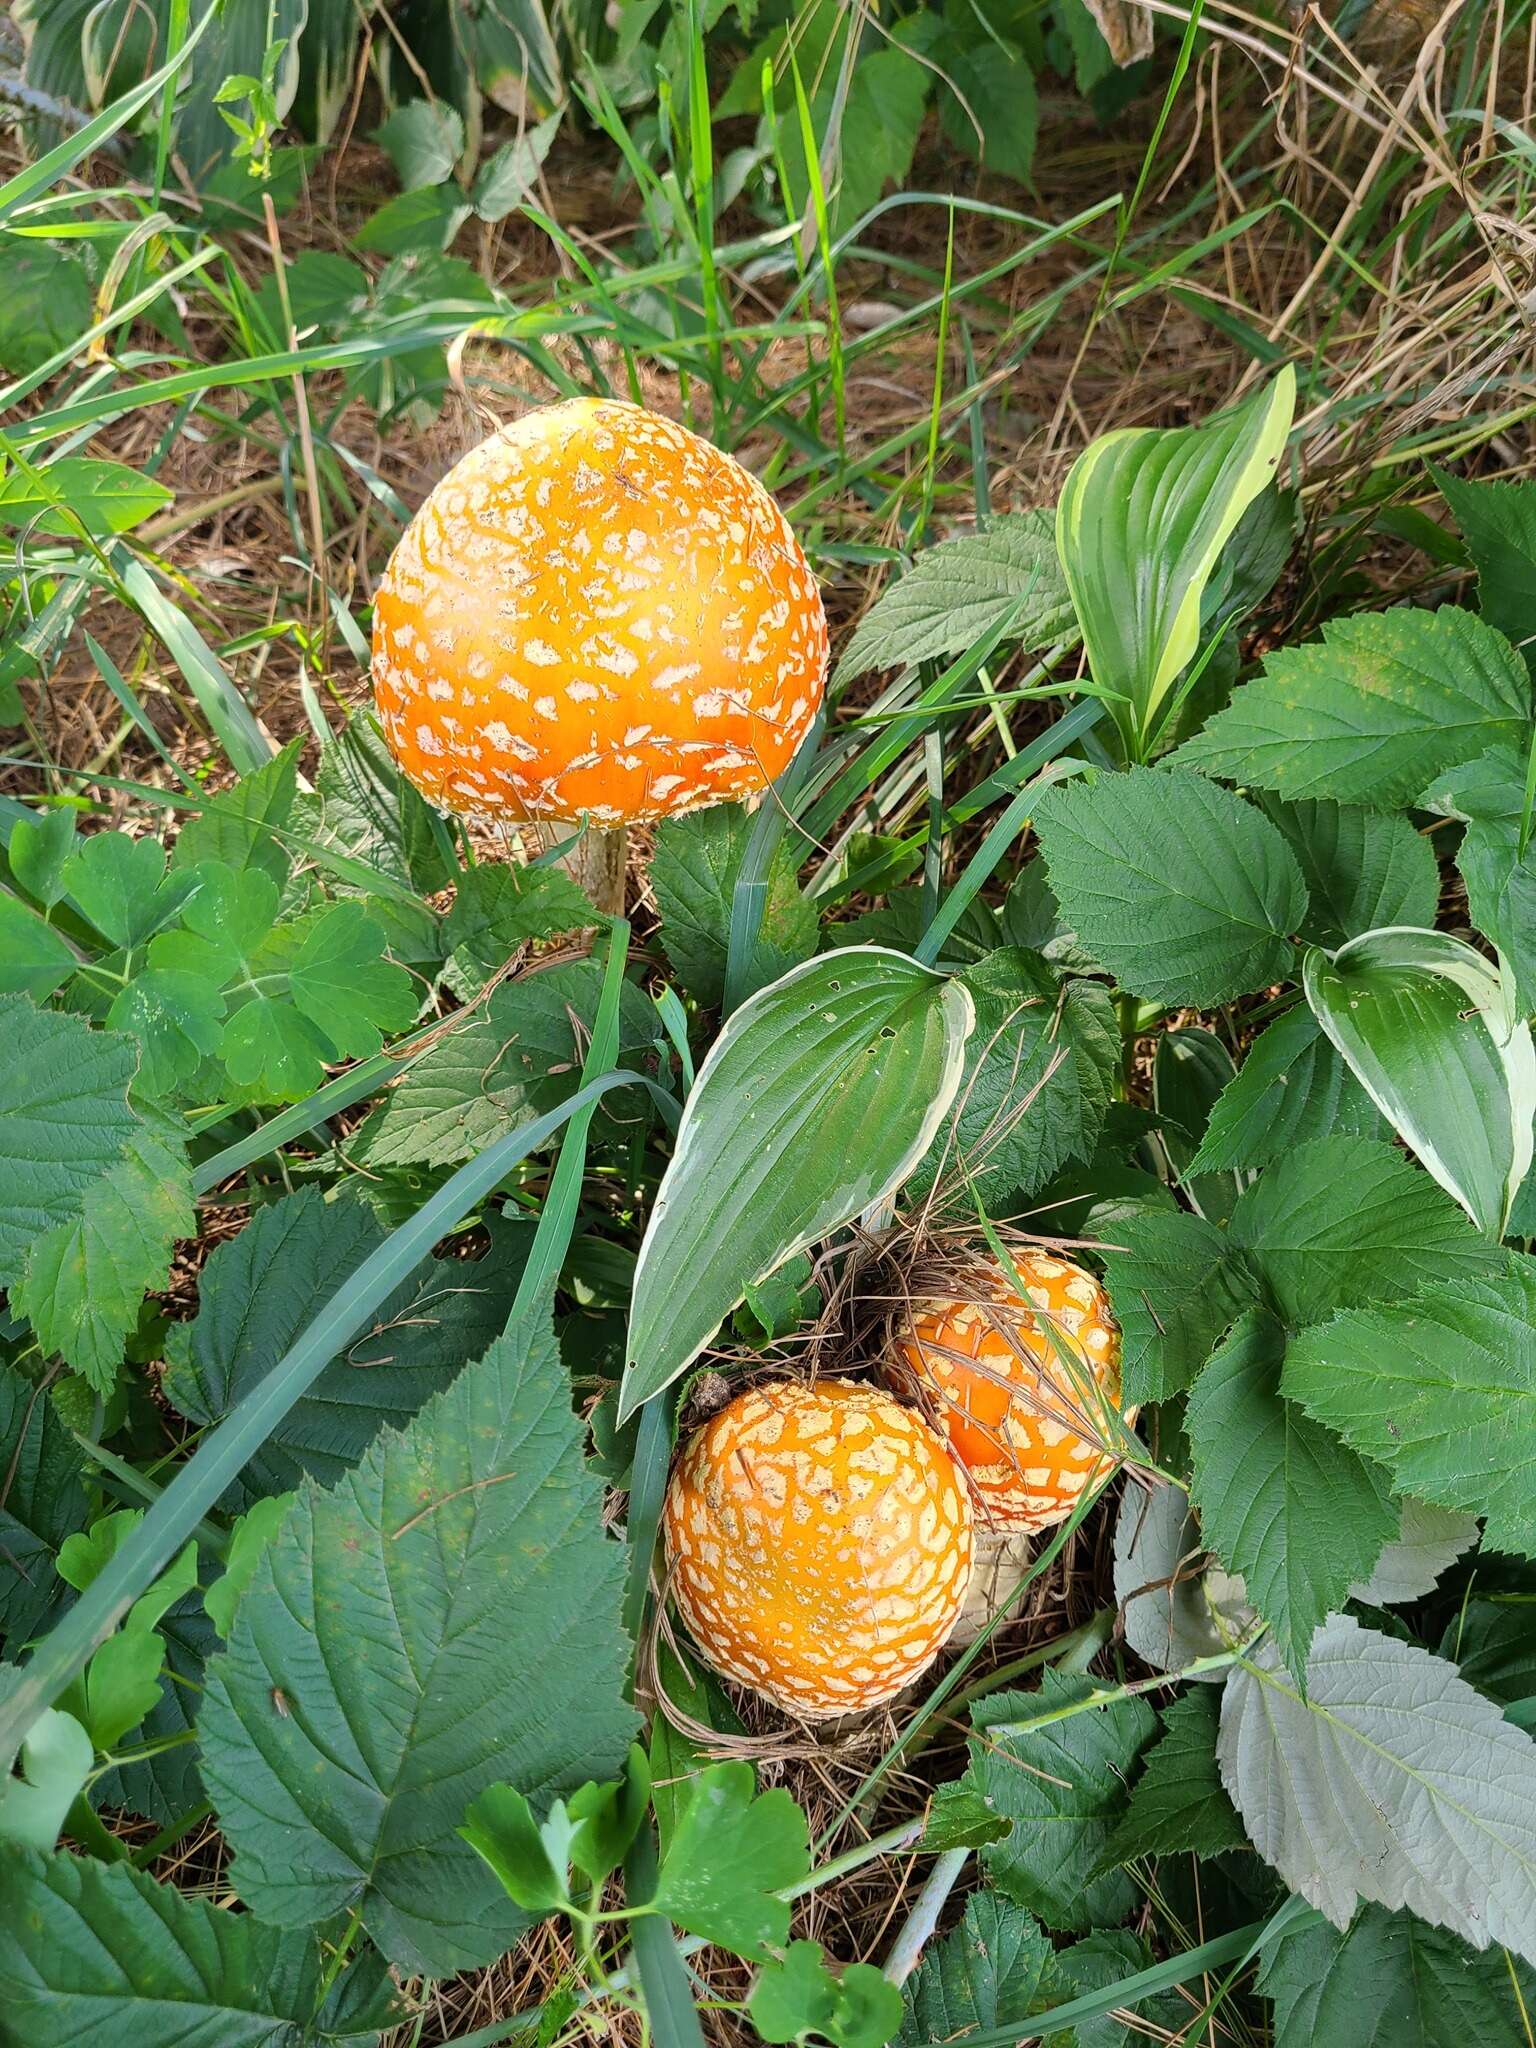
(908, 1946)
(1218, 1661)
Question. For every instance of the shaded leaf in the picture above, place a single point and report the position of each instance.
(1179, 1804)
(1293, 1086)
(694, 872)
(42, 1504)
(496, 909)
(1176, 1284)
(1363, 868)
(986, 1973)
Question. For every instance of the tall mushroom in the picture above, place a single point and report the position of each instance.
(819, 1544)
(596, 617)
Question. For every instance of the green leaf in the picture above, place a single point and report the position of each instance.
(1190, 1068)
(446, 1619)
(414, 222)
(1363, 869)
(1392, 1982)
(817, 1099)
(85, 1279)
(372, 815)
(1498, 523)
(120, 1686)
(1430, 1031)
(95, 1954)
(496, 909)
(986, 1973)
(1373, 711)
(989, 106)
(341, 983)
(260, 1289)
(176, 1017)
(424, 140)
(55, 1761)
(1441, 1389)
(733, 1848)
(959, 1818)
(529, 1861)
(1496, 857)
(1349, 1220)
(40, 844)
(1281, 1500)
(1176, 1285)
(1185, 893)
(241, 827)
(959, 591)
(1102, 1962)
(34, 958)
(249, 1535)
(120, 884)
(1169, 1599)
(508, 175)
(1041, 1064)
(1179, 1805)
(46, 306)
(1293, 1087)
(1064, 1787)
(1143, 518)
(103, 497)
(693, 872)
(1493, 1645)
(1392, 1781)
(42, 1504)
(608, 1816)
(799, 1997)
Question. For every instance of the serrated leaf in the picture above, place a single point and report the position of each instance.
(1348, 1220)
(496, 909)
(1041, 1064)
(260, 1289)
(1098, 1962)
(1184, 892)
(1179, 1805)
(1492, 1644)
(1393, 1781)
(1281, 1500)
(507, 176)
(370, 813)
(1293, 1086)
(242, 826)
(1498, 523)
(1496, 857)
(1441, 1389)
(42, 1504)
(986, 1973)
(1190, 1068)
(1064, 1788)
(1363, 868)
(446, 1618)
(817, 1099)
(84, 1280)
(1392, 1982)
(1164, 1590)
(961, 590)
(1428, 1541)
(1176, 1284)
(693, 872)
(1143, 518)
(1370, 713)
(93, 1954)
(34, 958)
(732, 1850)
(1431, 1032)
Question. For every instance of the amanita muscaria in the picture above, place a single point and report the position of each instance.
(596, 616)
(1026, 1389)
(819, 1546)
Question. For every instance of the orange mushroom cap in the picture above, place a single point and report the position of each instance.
(596, 615)
(819, 1539)
(1025, 1390)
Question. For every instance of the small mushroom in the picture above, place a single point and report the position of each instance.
(596, 616)
(1027, 1389)
(819, 1542)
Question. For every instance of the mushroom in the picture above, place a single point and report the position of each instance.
(596, 617)
(819, 1542)
(1026, 1388)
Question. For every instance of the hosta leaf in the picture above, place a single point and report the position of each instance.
(1393, 1781)
(693, 873)
(1176, 1284)
(1281, 1500)
(96, 1954)
(261, 1288)
(817, 1099)
(1348, 1220)
(1184, 892)
(64, 1105)
(1363, 868)
(959, 591)
(1040, 1068)
(1441, 1389)
(1392, 1982)
(1368, 714)
(1143, 518)
(1064, 1788)
(1428, 1541)
(1293, 1086)
(496, 909)
(85, 1279)
(1498, 523)
(1179, 1804)
(445, 1619)
(986, 1973)
(1431, 1032)
(42, 1502)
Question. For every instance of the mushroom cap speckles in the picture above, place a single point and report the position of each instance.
(819, 1539)
(596, 615)
(1025, 1394)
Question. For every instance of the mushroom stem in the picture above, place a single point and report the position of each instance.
(595, 863)
(1002, 1558)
